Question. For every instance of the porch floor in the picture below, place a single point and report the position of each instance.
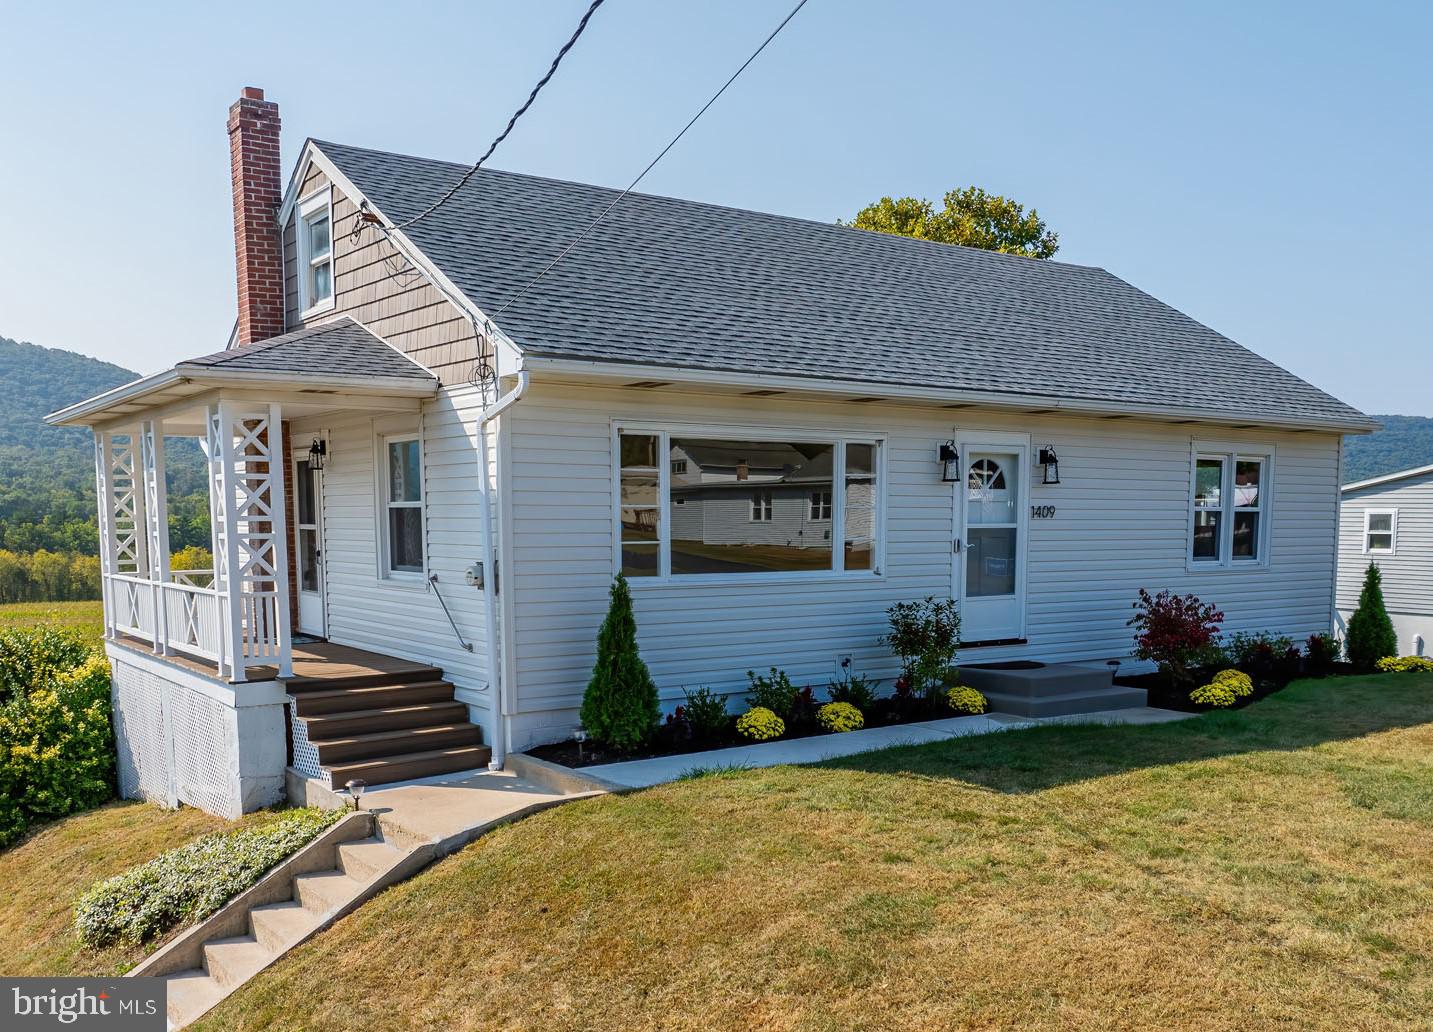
(313, 662)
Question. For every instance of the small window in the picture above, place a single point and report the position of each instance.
(1229, 509)
(403, 505)
(315, 257)
(679, 467)
(1380, 530)
(641, 506)
(820, 506)
(761, 506)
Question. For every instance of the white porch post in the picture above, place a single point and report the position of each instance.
(278, 460)
(104, 500)
(218, 535)
(156, 514)
(228, 501)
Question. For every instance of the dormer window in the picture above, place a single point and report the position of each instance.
(315, 257)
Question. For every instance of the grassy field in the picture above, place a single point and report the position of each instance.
(85, 617)
(1266, 868)
(43, 875)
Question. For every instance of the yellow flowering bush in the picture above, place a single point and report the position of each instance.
(964, 699)
(760, 724)
(1405, 665)
(1227, 688)
(840, 716)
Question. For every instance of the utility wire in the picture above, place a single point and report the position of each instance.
(651, 165)
(511, 121)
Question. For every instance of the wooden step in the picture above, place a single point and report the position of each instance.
(345, 700)
(332, 751)
(346, 723)
(407, 766)
(376, 678)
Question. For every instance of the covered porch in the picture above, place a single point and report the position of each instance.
(235, 619)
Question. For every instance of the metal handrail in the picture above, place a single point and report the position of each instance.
(433, 586)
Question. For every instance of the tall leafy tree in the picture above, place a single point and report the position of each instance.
(1370, 631)
(970, 217)
(620, 706)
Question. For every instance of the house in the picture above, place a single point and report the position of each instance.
(429, 443)
(1388, 521)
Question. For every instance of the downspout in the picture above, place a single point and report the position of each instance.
(496, 650)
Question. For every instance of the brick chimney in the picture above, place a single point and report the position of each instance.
(258, 254)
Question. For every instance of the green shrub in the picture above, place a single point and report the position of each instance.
(190, 883)
(1322, 651)
(1405, 665)
(620, 708)
(760, 724)
(30, 656)
(56, 749)
(925, 635)
(706, 713)
(1227, 688)
(774, 691)
(964, 699)
(1370, 635)
(853, 688)
(1245, 650)
(837, 717)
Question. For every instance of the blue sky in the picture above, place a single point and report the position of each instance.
(1265, 168)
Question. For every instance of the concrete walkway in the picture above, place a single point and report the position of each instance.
(661, 769)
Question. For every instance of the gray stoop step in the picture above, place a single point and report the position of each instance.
(1049, 689)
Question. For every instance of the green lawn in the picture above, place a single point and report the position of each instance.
(85, 617)
(1267, 868)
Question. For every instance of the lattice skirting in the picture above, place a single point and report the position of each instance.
(305, 755)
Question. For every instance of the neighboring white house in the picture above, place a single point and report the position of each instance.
(777, 428)
(1388, 520)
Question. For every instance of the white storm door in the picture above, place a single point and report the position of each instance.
(991, 507)
(308, 541)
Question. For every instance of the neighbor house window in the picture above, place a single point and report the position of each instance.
(1380, 531)
(315, 257)
(1230, 503)
(403, 505)
(692, 505)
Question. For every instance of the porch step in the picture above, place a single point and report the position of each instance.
(371, 679)
(1067, 703)
(407, 766)
(332, 751)
(347, 723)
(343, 700)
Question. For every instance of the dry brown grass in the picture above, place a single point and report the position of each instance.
(43, 875)
(1271, 868)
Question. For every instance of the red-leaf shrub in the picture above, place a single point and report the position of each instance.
(1172, 630)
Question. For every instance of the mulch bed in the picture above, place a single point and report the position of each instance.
(1164, 695)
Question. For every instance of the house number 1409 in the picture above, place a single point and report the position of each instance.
(1042, 512)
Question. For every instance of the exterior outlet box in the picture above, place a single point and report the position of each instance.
(474, 575)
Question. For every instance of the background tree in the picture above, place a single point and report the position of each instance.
(1370, 631)
(620, 707)
(971, 217)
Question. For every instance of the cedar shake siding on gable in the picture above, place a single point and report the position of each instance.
(375, 285)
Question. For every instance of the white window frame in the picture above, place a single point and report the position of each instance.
(819, 502)
(1392, 531)
(385, 551)
(664, 432)
(763, 506)
(1231, 454)
(319, 202)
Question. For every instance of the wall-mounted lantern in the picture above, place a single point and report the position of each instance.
(1051, 462)
(949, 460)
(317, 454)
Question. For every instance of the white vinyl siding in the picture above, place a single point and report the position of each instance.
(1407, 569)
(1380, 531)
(1121, 523)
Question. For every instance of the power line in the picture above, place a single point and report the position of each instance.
(511, 121)
(651, 165)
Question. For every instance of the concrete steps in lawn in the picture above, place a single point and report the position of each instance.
(1030, 689)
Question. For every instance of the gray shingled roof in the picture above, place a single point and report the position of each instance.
(338, 347)
(681, 284)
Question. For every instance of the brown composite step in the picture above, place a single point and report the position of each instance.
(333, 751)
(407, 766)
(369, 679)
(384, 696)
(348, 723)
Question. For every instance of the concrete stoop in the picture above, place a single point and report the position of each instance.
(402, 830)
(1050, 689)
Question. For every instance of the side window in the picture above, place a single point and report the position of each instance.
(403, 505)
(1229, 508)
(315, 257)
(1380, 531)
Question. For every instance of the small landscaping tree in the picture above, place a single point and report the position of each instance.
(620, 706)
(925, 635)
(1370, 632)
(1173, 631)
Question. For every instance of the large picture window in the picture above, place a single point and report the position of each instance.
(1230, 503)
(403, 505)
(695, 504)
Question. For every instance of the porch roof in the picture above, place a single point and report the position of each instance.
(340, 354)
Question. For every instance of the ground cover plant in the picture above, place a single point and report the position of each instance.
(1267, 867)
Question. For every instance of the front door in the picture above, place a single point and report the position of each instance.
(990, 548)
(308, 541)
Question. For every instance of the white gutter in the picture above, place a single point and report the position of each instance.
(498, 653)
